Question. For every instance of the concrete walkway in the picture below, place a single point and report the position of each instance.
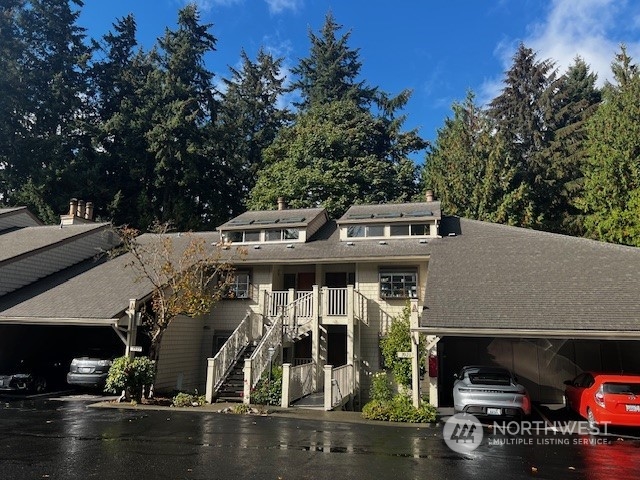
(298, 413)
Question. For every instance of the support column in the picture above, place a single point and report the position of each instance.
(132, 329)
(315, 339)
(328, 388)
(415, 356)
(246, 395)
(210, 380)
(286, 385)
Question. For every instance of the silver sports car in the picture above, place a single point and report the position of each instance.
(490, 391)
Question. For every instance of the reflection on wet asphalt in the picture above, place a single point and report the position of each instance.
(45, 438)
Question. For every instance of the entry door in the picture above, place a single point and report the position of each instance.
(336, 279)
(306, 281)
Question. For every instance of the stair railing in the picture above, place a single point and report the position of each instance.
(219, 366)
(261, 358)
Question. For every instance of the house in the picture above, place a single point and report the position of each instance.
(316, 294)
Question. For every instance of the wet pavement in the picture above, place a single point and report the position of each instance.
(65, 438)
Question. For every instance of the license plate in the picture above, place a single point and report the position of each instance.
(85, 369)
(496, 411)
(633, 408)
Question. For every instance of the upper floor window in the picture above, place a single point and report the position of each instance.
(242, 236)
(354, 231)
(403, 230)
(279, 234)
(399, 283)
(241, 286)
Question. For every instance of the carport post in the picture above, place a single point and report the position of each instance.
(132, 328)
(415, 358)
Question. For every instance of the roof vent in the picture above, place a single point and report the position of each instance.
(452, 234)
(382, 242)
(256, 247)
(289, 245)
(423, 240)
(351, 244)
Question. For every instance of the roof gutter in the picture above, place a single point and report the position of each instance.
(92, 322)
(529, 333)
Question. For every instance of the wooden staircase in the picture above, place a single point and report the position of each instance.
(232, 389)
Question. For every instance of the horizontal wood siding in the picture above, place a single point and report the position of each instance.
(381, 313)
(180, 357)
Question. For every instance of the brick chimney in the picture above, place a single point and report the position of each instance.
(79, 213)
(429, 195)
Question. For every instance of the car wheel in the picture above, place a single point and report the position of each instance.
(591, 419)
(41, 385)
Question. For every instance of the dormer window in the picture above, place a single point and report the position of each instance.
(242, 236)
(405, 230)
(355, 231)
(397, 221)
(281, 234)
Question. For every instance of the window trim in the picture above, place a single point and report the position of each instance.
(233, 288)
(397, 276)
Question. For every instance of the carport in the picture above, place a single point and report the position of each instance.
(546, 306)
(94, 299)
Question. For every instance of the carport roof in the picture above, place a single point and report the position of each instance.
(93, 292)
(496, 280)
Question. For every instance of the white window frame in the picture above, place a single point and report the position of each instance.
(394, 285)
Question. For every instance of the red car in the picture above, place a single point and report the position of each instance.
(604, 398)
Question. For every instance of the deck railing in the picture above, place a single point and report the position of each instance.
(297, 382)
(334, 301)
(219, 366)
(338, 386)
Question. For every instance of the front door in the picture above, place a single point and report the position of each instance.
(306, 281)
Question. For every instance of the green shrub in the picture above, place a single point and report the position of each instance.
(130, 375)
(268, 393)
(398, 339)
(399, 409)
(381, 387)
(188, 400)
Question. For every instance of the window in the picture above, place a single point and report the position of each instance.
(411, 229)
(241, 286)
(281, 234)
(355, 231)
(242, 236)
(399, 283)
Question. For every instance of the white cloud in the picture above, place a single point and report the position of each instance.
(591, 29)
(278, 6)
(207, 5)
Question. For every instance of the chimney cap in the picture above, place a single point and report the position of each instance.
(282, 203)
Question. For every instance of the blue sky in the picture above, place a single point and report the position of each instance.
(437, 49)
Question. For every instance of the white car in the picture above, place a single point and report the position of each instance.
(490, 391)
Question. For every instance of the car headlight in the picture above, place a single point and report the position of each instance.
(104, 363)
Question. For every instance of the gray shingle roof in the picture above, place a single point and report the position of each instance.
(256, 219)
(391, 212)
(499, 277)
(29, 239)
